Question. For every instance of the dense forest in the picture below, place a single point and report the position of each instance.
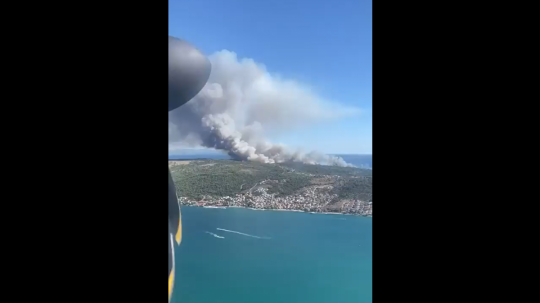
(326, 169)
(357, 188)
(220, 178)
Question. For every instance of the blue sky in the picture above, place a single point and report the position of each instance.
(324, 44)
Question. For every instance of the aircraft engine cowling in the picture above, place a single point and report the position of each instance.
(189, 70)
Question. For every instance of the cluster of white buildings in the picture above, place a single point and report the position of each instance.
(312, 199)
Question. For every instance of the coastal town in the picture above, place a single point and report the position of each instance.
(315, 199)
(286, 187)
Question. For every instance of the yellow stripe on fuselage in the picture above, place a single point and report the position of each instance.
(171, 283)
(179, 232)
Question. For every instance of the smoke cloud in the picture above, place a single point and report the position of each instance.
(242, 104)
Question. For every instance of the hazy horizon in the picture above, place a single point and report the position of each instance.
(204, 151)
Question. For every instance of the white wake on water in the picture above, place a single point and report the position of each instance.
(243, 234)
(217, 236)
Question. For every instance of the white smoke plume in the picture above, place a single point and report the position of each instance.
(241, 104)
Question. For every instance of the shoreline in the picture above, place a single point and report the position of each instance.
(285, 210)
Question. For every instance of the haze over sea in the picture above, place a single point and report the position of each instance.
(238, 255)
(361, 161)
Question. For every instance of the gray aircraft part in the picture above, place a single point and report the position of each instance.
(189, 70)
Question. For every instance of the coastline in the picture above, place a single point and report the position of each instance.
(287, 210)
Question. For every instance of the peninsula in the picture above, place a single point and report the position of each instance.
(285, 186)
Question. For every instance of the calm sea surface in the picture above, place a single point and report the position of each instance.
(248, 256)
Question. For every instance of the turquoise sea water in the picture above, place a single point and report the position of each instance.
(285, 257)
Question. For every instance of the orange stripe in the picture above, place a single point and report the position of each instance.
(179, 232)
(171, 283)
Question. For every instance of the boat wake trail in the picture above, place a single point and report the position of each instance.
(217, 236)
(243, 234)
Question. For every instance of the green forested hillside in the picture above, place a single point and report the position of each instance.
(220, 178)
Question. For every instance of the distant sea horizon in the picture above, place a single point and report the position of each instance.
(358, 160)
